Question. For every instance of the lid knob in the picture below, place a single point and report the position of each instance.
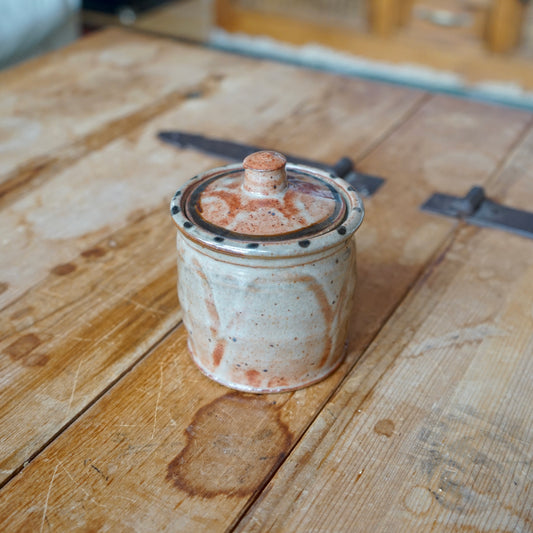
(264, 173)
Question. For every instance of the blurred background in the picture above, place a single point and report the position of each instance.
(475, 48)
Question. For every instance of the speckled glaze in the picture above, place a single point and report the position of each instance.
(266, 271)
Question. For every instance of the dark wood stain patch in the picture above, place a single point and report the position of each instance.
(3, 286)
(63, 269)
(384, 427)
(21, 351)
(232, 445)
(93, 253)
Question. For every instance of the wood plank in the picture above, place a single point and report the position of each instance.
(166, 448)
(61, 106)
(103, 289)
(433, 428)
(56, 221)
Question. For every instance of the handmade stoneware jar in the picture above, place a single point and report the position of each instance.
(266, 271)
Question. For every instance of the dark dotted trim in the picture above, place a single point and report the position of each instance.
(175, 209)
(253, 245)
(187, 225)
(177, 194)
(358, 209)
(304, 244)
(341, 230)
(351, 189)
(219, 239)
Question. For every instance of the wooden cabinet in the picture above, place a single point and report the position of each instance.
(497, 23)
(474, 38)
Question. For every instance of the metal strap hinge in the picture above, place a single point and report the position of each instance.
(475, 208)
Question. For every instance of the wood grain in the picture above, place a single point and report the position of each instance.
(165, 448)
(59, 219)
(72, 335)
(432, 429)
(64, 105)
(100, 290)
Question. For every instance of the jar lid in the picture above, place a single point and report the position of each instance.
(265, 206)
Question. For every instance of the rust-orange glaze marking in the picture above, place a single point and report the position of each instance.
(265, 160)
(326, 310)
(220, 346)
(302, 204)
(218, 352)
(275, 383)
(254, 378)
(232, 445)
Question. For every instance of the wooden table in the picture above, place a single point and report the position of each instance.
(106, 425)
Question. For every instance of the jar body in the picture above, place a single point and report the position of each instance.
(264, 325)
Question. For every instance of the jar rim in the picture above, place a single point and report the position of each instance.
(281, 245)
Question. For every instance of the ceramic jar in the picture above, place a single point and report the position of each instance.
(266, 271)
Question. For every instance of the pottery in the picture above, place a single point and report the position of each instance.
(266, 271)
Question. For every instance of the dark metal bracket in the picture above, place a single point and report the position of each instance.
(475, 208)
(365, 184)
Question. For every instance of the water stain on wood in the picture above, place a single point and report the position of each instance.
(21, 351)
(469, 462)
(232, 445)
(418, 500)
(384, 427)
(63, 269)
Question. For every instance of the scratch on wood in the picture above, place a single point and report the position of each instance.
(73, 480)
(126, 498)
(74, 387)
(457, 338)
(48, 497)
(132, 301)
(111, 332)
(158, 397)
(79, 486)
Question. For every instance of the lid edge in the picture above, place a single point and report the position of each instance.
(272, 248)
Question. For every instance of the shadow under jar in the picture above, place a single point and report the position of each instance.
(266, 271)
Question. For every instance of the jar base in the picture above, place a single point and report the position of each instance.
(267, 390)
